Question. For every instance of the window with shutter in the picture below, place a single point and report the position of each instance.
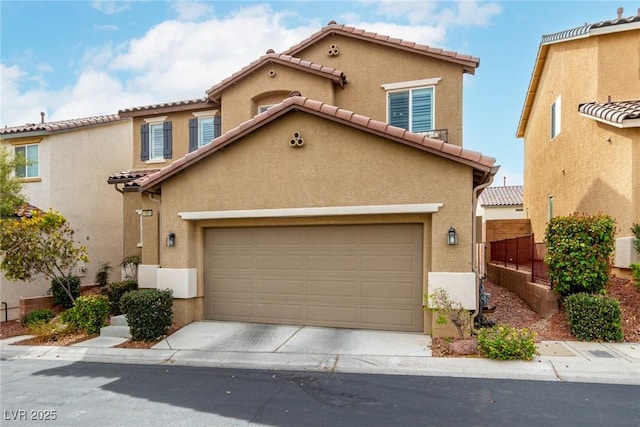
(202, 130)
(156, 141)
(411, 109)
(206, 130)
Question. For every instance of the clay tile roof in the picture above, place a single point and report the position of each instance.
(501, 196)
(620, 114)
(585, 29)
(127, 176)
(468, 62)
(333, 74)
(483, 165)
(60, 125)
(188, 104)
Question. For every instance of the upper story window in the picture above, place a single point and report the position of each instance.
(203, 129)
(263, 108)
(410, 105)
(556, 110)
(156, 139)
(30, 153)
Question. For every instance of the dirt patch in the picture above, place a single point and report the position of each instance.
(12, 328)
(58, 340)
(513, 311)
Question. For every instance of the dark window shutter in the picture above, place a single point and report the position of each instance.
(144, 142)
(166, 127)
(193, 134)
(217, 126)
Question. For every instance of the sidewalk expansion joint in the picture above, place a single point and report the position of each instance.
(555, 371)
(288, 339)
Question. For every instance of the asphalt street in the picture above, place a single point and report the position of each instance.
(57, 393)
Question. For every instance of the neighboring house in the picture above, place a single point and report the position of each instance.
(499, 203)
(312, 205)
(68, 159)
(581, 128)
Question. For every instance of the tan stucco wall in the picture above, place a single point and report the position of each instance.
(337, 166)
(368, 65)
(73, 168)
(239, 101)
(590, 166)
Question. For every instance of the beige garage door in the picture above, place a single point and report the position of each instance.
(354, 276)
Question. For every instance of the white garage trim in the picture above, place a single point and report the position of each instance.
(304, 212)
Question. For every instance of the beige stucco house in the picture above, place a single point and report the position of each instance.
(69, 160)
(325, 196)
(581, 128)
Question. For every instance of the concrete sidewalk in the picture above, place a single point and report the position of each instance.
(281, 347)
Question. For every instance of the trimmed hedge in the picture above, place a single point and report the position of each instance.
(149, 313)
(594, 317)
(43, 315)
(579, 249)
(90, 313)
(115, 291)
(60, 296)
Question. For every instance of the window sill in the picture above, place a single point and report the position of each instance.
(26, 180)
(150, 162)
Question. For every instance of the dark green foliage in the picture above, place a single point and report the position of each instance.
(114, 292)
(43, 315)
(90, 313)
(635, 270)
(636, 234)
(594, 317)
(579, 249)
(60, 295)
(149, 313)
(102, 275)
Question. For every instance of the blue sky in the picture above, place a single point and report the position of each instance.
(75, 59)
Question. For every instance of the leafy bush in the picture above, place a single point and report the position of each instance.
(636, 237)
(579, 249)
(102, 275)
(594, 317)
(43, 329)
(507, 343)
(149, 313)
(60, 296)
(89, 313)
(115, 291)
(42, 315)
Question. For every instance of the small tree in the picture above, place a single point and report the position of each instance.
(449, 309)
(11, 196)
(42, 244)
(579, 249)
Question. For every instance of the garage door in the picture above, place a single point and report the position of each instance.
(354, 276)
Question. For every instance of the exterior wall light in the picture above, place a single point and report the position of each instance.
(452, 237)
(171, 239)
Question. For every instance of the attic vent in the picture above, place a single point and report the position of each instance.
(294, 93)
(272, 73)
(297, 140)
(333, 50)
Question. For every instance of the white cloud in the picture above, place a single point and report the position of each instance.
(191, 10)
(110, 7)
(106, 27)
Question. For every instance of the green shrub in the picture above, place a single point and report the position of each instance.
(149, 313)
(579, 249)
(43, 329)
(42, 315)
(636, 274)
(115, 291)
(507, 343)
(60, 296)
(102, 275)
(89, 313)
(594, 317)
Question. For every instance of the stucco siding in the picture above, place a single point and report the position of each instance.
(367, 66)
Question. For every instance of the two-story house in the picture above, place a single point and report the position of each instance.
(335, 193)
(67, 163)
(581, 128)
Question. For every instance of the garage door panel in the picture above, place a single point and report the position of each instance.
(356, 276)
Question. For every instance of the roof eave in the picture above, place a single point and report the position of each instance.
(204, 105)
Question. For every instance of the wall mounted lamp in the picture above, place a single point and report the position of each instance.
(171, 239)
(452, 236)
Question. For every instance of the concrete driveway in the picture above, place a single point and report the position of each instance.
(260, 338)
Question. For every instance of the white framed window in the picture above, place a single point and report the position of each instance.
(156, 139)
(411, 104)
(31, 155)
(263, 108)
(556, 113)
(203, 128)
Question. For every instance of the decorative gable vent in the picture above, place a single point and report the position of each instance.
(333, 50)
(297, 140)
